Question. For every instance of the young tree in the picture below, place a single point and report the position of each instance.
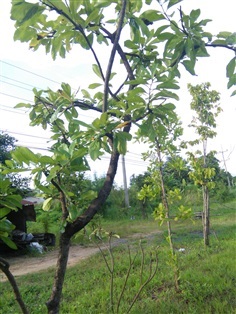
(149, 42)
(205, 103)
(162, 147)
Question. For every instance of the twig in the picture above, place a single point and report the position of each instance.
(131, 262)
(152, 273)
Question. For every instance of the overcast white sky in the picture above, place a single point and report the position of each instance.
(15, 58)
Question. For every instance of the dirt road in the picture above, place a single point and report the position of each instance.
(22, 265)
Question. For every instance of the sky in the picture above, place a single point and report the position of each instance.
(21, 70)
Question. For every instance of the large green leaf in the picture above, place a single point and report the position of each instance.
(24, 155)
(4, 211)
(47, 204)
(22, 11)
(189, 66)
(94, 150)
(231, 67)
(9, 242)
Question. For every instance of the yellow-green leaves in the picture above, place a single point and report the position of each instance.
(47, 204)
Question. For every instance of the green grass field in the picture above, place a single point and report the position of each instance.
(207, 275)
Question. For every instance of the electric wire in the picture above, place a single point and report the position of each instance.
(44, 77)
(16, 97)
(23, 83)
(16, 86)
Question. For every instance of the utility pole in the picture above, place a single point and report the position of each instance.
(125, 182)
(224, 161)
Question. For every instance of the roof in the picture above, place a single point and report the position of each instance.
(32, 200)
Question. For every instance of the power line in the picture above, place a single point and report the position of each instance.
(13, 111)
(45, 138)
(15, 66)
(16, 97)
(9, 107)
(8, 78)
(16, 86)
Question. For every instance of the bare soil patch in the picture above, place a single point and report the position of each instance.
(24, 264)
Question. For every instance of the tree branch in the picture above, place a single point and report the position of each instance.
(221, 46)
(95, 205)
(121, 53)
(112, 56)
(4, 266)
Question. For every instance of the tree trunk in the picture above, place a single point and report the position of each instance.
(53, 303)
(206, 216)
(144, 209)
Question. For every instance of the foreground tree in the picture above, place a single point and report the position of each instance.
(205, 103)
(138, 96)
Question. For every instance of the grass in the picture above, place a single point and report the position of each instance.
(208, 275)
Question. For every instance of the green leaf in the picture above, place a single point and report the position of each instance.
(84, 124)
(152, 15)
(231, 67)
(94, 85)
(189, 66)
(24, 155)
(4, 211)
(66, 88)
(6, 226)
(92, 16)
(223, 35)
(94, 150)
(166, 93)
(22, 11)
(219, 42)
(232, 81)
(121, 139)
(234, 93)
(47, 204)
(85, 94)
(20, 105)
(96, 70)
(11, 201)
(168, 85)
(173, 2)
(9, 243)
(46, 160)
(194, 14)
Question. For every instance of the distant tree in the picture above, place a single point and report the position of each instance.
(175, 172)
(205, 104)
(7, 144)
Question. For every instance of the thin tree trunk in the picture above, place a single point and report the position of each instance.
(53, 303)
(167, 216)
(206, 216)
(206, 209)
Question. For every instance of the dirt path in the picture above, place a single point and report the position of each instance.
(22, 265)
